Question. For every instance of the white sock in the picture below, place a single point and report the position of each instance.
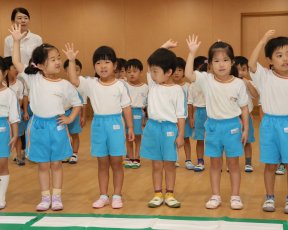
(4, 181)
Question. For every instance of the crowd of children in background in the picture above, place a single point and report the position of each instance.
(207, 98)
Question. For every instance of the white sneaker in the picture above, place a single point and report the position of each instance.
(269, 205)
(286, 207)
(156, 201)
(281, 170)
(73, 159)
(236, 203)
(199, 168)
(249, 168)
(189, 165)
(214, 202)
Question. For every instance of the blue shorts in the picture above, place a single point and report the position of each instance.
(137, 114)
(274, 139)
(5, 136)
(251, 137)
(223, 135)
(30, 113)
(200, 118)
(158, 141)
(47, 141)
(188, 129)
(107, 136)
(74, 127)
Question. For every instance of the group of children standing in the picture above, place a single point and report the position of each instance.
(217, 105)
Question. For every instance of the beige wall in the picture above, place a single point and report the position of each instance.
(133, 27)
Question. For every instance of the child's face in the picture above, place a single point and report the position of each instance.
(104, 68)
(12, 73)
(122, 73)
(243, 71)
(78, 71)
(23, 20)
(133, 74)
(158, 74)
(178, 74)
(53, 63)
(221, 64)
(279, 60)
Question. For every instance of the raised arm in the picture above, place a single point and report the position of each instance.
(193, 46)
(71, 56)
(169, 44)
(252, 63)
(17, 36)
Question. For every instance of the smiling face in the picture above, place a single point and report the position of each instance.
(243, 71)
(52, 64)
(105, 69)
(221, 64)
(279, 60)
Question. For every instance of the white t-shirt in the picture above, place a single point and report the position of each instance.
(185, 88)
(195, 96)
(27, 45)
(48, 97)
(9, 106)
(273, 91)
(18, 89)
(138, 95)
(165, 103)
(105, 99)
(223, 100)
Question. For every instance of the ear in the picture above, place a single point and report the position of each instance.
(169, 72)
(269, 61)
(115, 66)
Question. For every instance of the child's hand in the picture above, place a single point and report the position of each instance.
(244, 137)
(26, 116)
(179, 141)
(131, 135)
(16, 32)
(269, 34)
(169, 44)
(193, 43)
(69, 52)
(82, 121)
(63, 120)
(13, 142)
(191, 122)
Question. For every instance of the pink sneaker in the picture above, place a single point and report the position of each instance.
(56, 203)
(45, 203)
(101, 202)
(117, 202)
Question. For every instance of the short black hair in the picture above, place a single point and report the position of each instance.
(180, 63)
(3, 66)
(163, 58)
(134, 63)
(240, 60)
(19, 10)
(8, 62)
(198, 62)
(234, 71)
(104, 53)
(274, 44)
(121, 63)
(220, 46)
(77, 62)
(203, 67)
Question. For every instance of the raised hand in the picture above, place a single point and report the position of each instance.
(269, 34)
(169, 44)
(16, 32)
(69, 51)
(193, 43)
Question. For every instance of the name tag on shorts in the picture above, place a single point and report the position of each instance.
(170, 134)
(116, 127)
(137, 117)
(234, 131)
(2, 129)
(286, 130)
(60, 127)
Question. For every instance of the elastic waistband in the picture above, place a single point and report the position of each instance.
(44, 118)
(137, 109)
(234, 119)
(201, 108)
(161, 122)
(117, 115)
(3, 118)
(276, 116)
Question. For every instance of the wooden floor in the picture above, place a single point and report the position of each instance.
(192, 189)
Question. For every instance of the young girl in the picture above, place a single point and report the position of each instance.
(226, 99)
(109, 97)
(17, 86)
(47, 140)
(178, 78)
(9, 113)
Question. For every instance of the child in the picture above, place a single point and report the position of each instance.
(243, 71)
(138, 93)
(197, 113)
(9, 113)
(226, 99)
(161, 136)
(109, 97)
(120, 72)
(178, 78)
(76, 126)
(17, 86)
(273, 88)
(47, 138)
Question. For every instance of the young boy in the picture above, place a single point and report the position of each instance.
(138, 93)
(243, 72)
(178, 78)
(76, 126)
(120, 72)
(273, 88)
(197, 113)
(164, 130)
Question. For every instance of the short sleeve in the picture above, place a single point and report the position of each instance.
(181, 108)
(242, 96)
(125, 98)
(259, 76)
(190, 95)
(83, 88)
(13, 109)
(201, 79)
(72, 95)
